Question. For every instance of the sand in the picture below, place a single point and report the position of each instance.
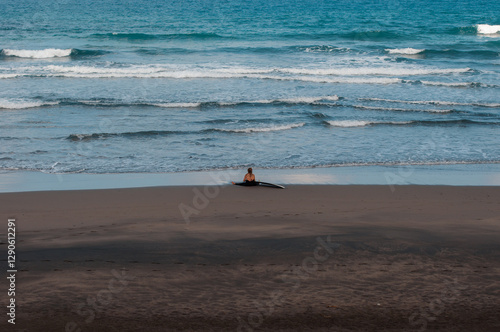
(227, 258)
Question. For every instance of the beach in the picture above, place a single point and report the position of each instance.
(227, 258)
(122, 125)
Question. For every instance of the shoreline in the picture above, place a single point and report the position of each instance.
(453, 175)
(311, 257)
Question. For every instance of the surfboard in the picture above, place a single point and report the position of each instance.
(267, 184)
(259, 183)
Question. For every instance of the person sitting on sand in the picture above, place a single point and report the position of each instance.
(249, 177)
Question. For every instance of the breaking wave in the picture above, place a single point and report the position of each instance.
(433, 102)
(263, 129)
(22, 104)
(408, 51)
(360, 123)
(487, 29)
(161, 133)
(363, 123)
(376, 108)
(51, 53)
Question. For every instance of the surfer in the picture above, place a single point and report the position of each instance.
(249, 178)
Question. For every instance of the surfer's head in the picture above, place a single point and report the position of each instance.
(250, 170)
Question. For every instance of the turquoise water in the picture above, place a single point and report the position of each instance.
(171, 86)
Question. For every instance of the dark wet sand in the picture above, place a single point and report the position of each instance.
(307, 258)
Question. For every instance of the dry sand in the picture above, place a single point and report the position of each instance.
(318, 258)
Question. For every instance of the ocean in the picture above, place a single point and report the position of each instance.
(173, 86)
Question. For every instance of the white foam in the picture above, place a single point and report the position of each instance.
(344, 74)
(325, 48)
(22, 104)
(331, 98)
(265, 129)
(308, 100)
(376, 71)
(407, 50)
(376, 108)
(488, 29)
(38, 54)
(349, 123)
(141, 71)
(449, 84)
(407, 101)
(177, 105)
(298, 100)
(359, 123)
(349, 80)
(9, 76)
(245, 71)
(433, 102)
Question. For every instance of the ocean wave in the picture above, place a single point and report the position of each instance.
(433, 102)
(291, 101)
(460, 122)
(165, 71)
(8, 76)
(53, 170)
(245, 49)
(263, 129)
(349, 123)
(336, 80)
(79, 53)
(478, 29)
(455, 84)
(162, 133)
(175, 105)
(323, 48)
(137, 71)
(321, 100)
(22, 104)
(398, 163)
(149, 36)
(475, 54)
(408, 50)
(488, 29)
(51, 53)
(376, 71)
(376, 108)
(364, 123)
(297, 100)
(38, 54)
(438, 123)
(317, 115)
(137, 134)
(361, 123)
(459, 54)
(235, 121)
(467, 30)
